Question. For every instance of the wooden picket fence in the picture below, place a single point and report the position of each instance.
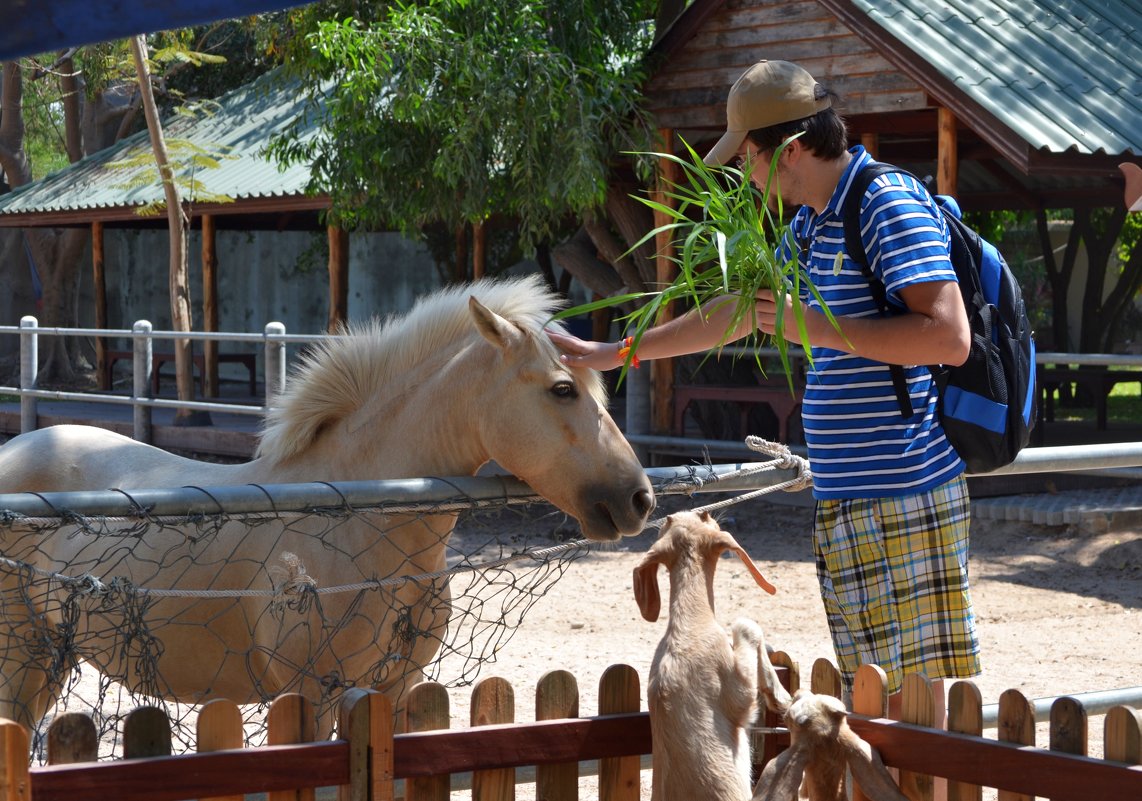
(368, 760)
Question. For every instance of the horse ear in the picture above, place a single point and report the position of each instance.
(500, 332)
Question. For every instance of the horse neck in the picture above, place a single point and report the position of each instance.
(411, 428)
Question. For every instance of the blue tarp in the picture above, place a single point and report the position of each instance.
(40, 26)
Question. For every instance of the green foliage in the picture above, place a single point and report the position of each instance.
(726, 239)
(446, 111)
(44, 128)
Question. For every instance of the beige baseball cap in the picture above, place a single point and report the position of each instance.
(768, 93)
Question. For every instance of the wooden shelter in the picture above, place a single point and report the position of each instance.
(94, 193)
(1008, 105)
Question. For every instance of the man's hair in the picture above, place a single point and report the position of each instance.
(825, 134)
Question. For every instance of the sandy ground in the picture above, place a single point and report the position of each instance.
(1060, 611)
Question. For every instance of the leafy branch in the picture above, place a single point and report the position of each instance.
(729, 242)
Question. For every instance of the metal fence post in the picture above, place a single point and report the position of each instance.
(29, 366)
(143, 366)
(638, 409)
(275, 363)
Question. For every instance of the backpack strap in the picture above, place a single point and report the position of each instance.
(854, 247)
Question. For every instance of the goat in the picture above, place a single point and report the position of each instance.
(702, 691)
(822, 745)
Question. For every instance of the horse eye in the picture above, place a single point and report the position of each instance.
(564, 389)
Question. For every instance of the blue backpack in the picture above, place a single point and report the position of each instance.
(987, 404)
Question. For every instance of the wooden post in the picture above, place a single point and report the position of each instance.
(947, 158)
(917, 707)
(338, 277)
(14, 779)
(965, 715)
(619, 692)
(209, 305)
(1122, 735)
(870, 697)
(493, 701)
(460, 262)
(291, 719)
(556, 698)
(1016, 725)
(366, 722)
(825, 679)
(871, 142)
(99, 280)
(662, 370)
(146, 733)
(218, 728)
(427, 710)
(72, 738)
(479, 250)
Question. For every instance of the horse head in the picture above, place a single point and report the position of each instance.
(548, 425)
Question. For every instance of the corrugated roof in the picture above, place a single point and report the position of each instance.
(1065, 75)
(240, 127)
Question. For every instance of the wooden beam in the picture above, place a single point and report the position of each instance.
(338, 277)
(209, 305)
(947, 156)
(871, 143)
(99, 277)
(479, 250)
(662, 370)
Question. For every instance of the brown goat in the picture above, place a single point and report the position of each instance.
(822, 746)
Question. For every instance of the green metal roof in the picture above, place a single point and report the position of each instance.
(241, 127)
(1065, 75)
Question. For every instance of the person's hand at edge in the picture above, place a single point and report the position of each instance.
(575, 352)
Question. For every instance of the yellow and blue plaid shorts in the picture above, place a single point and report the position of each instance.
(894, 580)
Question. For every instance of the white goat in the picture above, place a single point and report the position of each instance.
(702, 692)
(822, 746)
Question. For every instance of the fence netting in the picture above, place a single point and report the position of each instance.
(103, 614)
(106, 614)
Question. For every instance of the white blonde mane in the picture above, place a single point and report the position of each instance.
(342, 373)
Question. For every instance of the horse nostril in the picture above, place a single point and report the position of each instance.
(644, 502)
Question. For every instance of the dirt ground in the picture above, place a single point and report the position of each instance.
(1059, 610)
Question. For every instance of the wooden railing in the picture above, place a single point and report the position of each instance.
(369, 761)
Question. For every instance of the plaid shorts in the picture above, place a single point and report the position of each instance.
(894, 580)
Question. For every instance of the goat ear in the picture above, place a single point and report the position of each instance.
(781, 778)
(646, 587)
(868, 769)
(753, 569)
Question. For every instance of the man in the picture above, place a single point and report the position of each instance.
(892, 519)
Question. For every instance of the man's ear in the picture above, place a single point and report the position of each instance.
(793, 152)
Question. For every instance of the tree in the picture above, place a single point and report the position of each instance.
(60, 107)
(452, 113)
(178, 225)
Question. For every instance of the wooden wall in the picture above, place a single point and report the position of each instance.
(688, 92)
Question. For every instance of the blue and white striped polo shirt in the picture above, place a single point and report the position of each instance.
(859, 444)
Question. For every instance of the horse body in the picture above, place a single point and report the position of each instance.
(441, 392)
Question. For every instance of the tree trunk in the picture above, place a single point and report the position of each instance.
(178, 225)
(578, 256)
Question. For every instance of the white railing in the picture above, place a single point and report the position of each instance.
(273, 341)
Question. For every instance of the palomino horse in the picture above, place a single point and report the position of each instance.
(466, 377)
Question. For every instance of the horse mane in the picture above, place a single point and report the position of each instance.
(341, 373)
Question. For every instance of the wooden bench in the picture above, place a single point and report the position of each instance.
(158, 359)
(1097, 378)
(773, 393)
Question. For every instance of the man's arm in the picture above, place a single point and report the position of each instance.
(696, 331)
(934, 330)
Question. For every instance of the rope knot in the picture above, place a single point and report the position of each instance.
(293, 587)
